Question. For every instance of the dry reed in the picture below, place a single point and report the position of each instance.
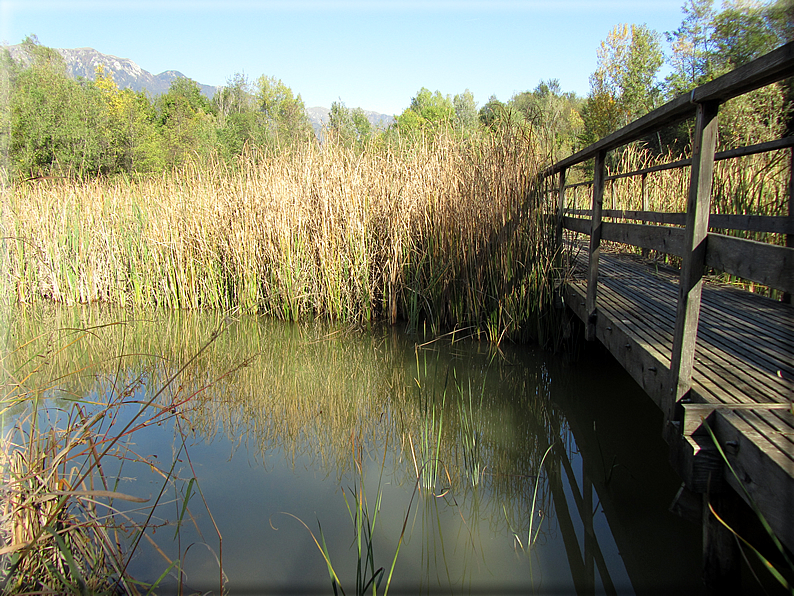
(439, 232)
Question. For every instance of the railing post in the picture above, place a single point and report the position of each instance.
(682, 360)
(644, 191)
(560, 207)
(595, 246)
(789, 235)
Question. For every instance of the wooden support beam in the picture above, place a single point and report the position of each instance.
(595, 246)
(694, 255)
(790, 235)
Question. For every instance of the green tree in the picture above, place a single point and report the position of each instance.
(554, 116)
(362, 125)
(465, 111)
(130, 139)
(341, 128)
(428, 114)
(350, 128)
(601, 113)
(623, 87)
(285, 122)
(692, 46)
(56, 122)
(186, 123)
(743, 31)
(237, 118)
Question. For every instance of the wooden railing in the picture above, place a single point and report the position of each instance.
(767, 264)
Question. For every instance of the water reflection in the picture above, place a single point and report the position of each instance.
(450, 437)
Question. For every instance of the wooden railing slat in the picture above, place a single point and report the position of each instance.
(774, 224)
(662, 239)
(768, 264)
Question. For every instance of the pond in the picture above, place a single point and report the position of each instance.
(269, 446)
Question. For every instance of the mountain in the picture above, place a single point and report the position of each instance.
(82, 62)
(318, 116)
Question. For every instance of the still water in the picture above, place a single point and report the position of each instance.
(478, 471)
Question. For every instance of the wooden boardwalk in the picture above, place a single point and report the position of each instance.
(718, 361)
(743, 375)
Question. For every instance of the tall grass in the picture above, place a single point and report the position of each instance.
(444, 233)
(64, 525)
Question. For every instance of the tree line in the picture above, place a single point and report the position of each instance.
(56, 125)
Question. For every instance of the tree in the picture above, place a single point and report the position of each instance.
(362, 125)
(341, 128)
(465, 111)
(129, 135)
(692, 45)
(601, 111)
(185, 121)
(623, 87)
(629, 59)
(429, 113)
(237, 121)
(743, 31)
(284, 116)
(56, 122)
(553, 115)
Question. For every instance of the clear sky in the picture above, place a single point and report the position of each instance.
(370, 54)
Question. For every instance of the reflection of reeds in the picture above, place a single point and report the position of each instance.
(63, 529)
(306, 386)
(446, 233)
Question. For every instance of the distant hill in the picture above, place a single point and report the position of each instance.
(319, 118)
(82, 62)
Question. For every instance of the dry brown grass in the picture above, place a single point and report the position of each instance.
(441, 232)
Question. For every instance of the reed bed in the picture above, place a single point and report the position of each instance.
(445, 233)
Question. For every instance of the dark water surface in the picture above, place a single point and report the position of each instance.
(513, 471)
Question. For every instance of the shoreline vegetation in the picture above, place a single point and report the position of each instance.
(447, 234)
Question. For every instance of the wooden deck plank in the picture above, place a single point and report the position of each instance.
(767, 321)
(736, 349)
(711, 340)
(744, 365)
(718, 366)
(655, 328)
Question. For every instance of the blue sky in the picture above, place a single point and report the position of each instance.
(370, 54)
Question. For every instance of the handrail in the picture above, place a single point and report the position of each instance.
(762, 71)
(775, 145)
(698, 248)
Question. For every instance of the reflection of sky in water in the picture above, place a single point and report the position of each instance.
(463, 541)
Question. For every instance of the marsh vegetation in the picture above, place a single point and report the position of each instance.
(451, 436)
